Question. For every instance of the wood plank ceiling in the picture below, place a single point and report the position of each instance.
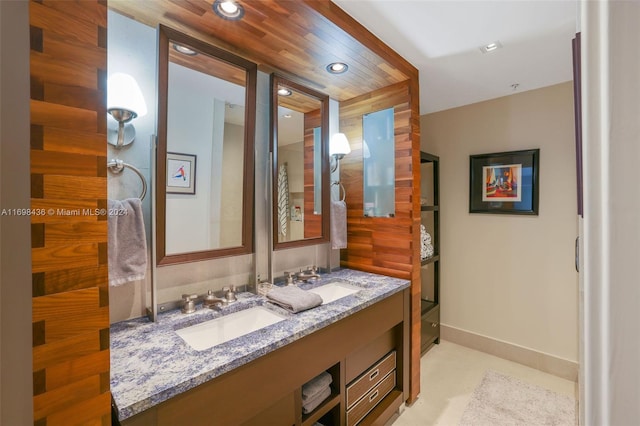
(292, 37)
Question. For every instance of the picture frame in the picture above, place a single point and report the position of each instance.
(181, 173)
(504, 182)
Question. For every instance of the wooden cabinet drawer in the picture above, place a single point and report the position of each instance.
(371, 399)
(430, 328)
(370, 378)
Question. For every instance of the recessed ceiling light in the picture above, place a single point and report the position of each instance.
(491, 47)
(184, 50)
(228, 9)
(337, 67)
(284, 92)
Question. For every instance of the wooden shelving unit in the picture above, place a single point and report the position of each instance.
(429, 305)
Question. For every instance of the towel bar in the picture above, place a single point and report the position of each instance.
(344, 192)
(117, 166)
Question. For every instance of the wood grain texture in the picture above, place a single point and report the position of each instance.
(388, 246)
(297, 37)
(68, 168)
(416, 282)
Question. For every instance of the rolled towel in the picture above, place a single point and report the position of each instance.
(316, 385)
(312, 404)
(293, 298)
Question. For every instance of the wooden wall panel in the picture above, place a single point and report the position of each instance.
(69, 240)
(389, 246)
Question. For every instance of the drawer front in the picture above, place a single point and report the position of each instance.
(371, 399)
(370, 378)
(430, 327)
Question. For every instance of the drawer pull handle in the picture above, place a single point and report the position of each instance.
(434, 324)
(373, 396)
(374, 374)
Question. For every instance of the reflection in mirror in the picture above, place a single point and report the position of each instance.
(300, 170)
(206, 117)
(378, 151)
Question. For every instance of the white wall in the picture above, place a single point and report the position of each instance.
(195, 127)
(611, 151)
(509, 277)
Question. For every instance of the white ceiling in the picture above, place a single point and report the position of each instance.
(442, 38)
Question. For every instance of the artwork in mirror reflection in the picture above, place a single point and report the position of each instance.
(206, 96)
(298, 170)
(379, 164)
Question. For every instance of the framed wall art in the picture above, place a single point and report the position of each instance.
(504, 182)
(181, 173)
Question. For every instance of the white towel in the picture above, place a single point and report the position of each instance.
(283, 199)
(338, 224)
(127, 241)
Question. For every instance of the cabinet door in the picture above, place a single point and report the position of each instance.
(282, 413)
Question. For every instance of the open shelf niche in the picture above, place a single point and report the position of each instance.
(430, 274)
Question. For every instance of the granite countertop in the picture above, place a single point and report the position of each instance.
(150, 363)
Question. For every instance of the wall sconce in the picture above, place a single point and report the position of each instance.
(124, 102)
(338, 148)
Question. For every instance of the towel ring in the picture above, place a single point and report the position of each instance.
(117, 166)
(344, 191)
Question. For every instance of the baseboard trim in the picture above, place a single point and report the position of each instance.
(539, 360)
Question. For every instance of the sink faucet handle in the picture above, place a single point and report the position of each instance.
(289, 276)
(188, 303)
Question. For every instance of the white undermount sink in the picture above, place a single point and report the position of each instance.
(334, 291)
(210, 333)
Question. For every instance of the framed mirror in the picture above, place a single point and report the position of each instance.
(204, 163)
(300, 148)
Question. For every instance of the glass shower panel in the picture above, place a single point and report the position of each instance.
(317, 170)
(378, 152)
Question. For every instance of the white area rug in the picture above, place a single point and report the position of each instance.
(502, 400)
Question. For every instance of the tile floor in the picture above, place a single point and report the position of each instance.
(450, 373)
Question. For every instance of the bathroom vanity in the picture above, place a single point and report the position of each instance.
(361, 340)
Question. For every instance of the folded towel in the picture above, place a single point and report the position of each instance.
(316, 385)
(312, 404)
(127, 253)
(293, 298)
(338, 226)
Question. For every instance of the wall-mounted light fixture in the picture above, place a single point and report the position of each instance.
(124, 102)
(338, 148)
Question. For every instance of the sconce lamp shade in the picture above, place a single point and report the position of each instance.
(338, 148)
(124, 102)
(339, 145)
(123, 92)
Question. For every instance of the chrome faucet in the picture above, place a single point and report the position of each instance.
(310, 274)
(211, 301)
